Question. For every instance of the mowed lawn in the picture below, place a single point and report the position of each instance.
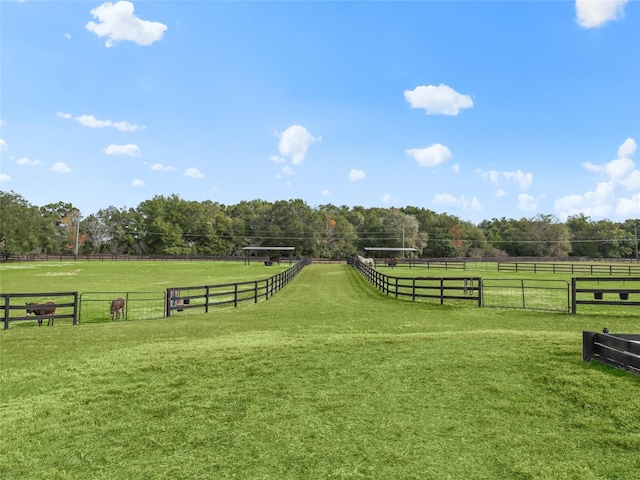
(327, 379)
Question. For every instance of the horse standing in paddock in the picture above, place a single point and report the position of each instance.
(39, 312)
(116, 307)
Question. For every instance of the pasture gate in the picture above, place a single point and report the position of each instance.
(94, 306)
(15, 309)
(548, 295)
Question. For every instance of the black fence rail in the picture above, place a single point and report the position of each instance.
(530, 294)
(616, 349)
(592, 291)
(570, 268)
(42, 306)
(441, 288)
(179, 299)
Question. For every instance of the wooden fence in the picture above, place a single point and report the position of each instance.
(179, 299)
(13, 304)
(570, 268)
(625, 288)
(451, 288)
(618, 350)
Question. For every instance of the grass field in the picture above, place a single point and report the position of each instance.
(327, 379)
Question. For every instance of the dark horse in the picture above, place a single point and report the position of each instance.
(41, 310)
(116, 307)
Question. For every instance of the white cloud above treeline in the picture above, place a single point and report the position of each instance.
(60, 167)
(522, 179)
(294, 143)
(440, 100)
(193, 173)
(28, 162)
(458, 202)
(430, 156)
(595, 13)
(356, 175)
(604, 199)
(117, 22)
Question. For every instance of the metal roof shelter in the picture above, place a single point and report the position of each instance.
(248, 251)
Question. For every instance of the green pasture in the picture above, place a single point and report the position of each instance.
(328, 379)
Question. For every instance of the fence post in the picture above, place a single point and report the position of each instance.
(6, 311)
(235, 295)
(522, 289)
(75, 308)
(255, 291)
(574, 303)
(206, 299)
(588, 340)
(480, 293)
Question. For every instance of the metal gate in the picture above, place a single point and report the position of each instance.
(94, 306)
(549, 295)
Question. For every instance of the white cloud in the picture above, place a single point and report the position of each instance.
(26, 161)
(438, 100)
(3, 146)
(193, 173)
(619, 168)
(67, 36)
(386, 198)
(629, 207)
(595, 13)
(355, 175)
(526, 203)
(430, 156)
(287, 170)
(591, 167)
(324, 192)
(66, 116)
(117, 22)
(137, 183)
(596, 203)
(93, 122)
(60, 167)
(456, 168)
(295, 142)
(129, 150)
(524, 180)
(4, 177)
(628, 148)
(158, 167)
(500, 193)
(277, 159)
(461, 202)
(632, 182)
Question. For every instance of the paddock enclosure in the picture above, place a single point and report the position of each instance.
(330, 378)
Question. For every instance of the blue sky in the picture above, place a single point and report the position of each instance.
(478, 109)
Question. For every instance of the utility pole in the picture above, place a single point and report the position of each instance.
(75, 248)
(636, 231)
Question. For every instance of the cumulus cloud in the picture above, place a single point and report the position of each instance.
(277, 159)
(458, 202)
(500, 193)
(386, 198)
(355, 175)
(4, 177)
(3, 146)
(63, 115)
(295, 142)
(596, 203)
(324, 192)
(522, 179)
(527, 203)
(158, 167)
(591, 167)
(595, 13)
(137, 183)
(628, 148)
(287, 170)
(117, 22)
(629, 207)
(622, 170)
(130, 150)
(430, 156)
(28, 162)
(442, 99)
(93, 122)
(193, 173)
(456, 168)
(60, 167)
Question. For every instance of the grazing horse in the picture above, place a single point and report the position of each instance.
(39, 312)
(116, 307)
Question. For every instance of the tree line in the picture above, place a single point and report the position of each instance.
(170, 225)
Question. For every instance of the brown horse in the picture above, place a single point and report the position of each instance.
(39, 312)
(116, 307)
